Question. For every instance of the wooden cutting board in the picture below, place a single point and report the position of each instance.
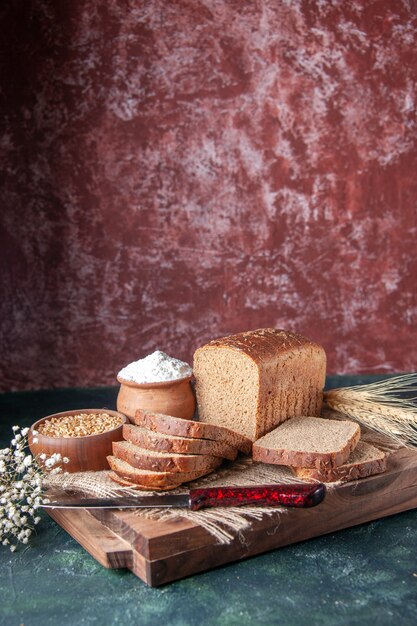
(160, 552)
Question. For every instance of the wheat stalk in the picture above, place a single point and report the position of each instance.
(386, 406)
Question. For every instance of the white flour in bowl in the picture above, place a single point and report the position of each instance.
(155, 368)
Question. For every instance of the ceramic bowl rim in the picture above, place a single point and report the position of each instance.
(163, 383)
(45, 438)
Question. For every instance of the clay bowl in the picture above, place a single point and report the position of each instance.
(86, 453)
(173, 397)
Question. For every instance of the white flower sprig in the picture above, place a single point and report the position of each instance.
(21, 480)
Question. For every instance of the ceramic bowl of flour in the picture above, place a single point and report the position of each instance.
(157, 383)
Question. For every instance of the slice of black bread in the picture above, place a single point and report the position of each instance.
(163, 461)
(189, 428)
(161, 442)
(365, 460)
(308, 442)
(150, 479)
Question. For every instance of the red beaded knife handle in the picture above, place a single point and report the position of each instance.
(297, 495)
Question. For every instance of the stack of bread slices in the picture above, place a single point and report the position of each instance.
(323, 449)
(160, 452)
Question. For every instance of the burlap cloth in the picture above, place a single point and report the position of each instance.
(222, 523)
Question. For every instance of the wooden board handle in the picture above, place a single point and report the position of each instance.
(297, 495)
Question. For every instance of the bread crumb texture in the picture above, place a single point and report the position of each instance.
(308, 442)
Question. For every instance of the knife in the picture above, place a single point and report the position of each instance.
(291, 495)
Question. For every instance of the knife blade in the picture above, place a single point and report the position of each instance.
(299, 495)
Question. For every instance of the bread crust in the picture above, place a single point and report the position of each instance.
(163, 461)
(170, 425)
(126, 483)
(150, 478)
(346, 472)
(262, 344)
(152, 440)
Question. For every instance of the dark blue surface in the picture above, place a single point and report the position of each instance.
(360, 576)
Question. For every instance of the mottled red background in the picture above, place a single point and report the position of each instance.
(175, 171)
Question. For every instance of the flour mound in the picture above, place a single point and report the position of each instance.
(156, 367)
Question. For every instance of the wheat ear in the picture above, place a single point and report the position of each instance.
(387, 406)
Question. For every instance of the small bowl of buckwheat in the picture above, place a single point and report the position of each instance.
(83, 438)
